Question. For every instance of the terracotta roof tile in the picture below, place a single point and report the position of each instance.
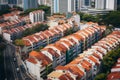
(113, 76)
(51, 51)
(93, 59)
(32, 60)
(33, 53)
(65, 77)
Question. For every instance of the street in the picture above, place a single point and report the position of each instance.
(13, 69)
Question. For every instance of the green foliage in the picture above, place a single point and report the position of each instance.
(41, 47)
(112, 18)
(101, 76)
(19, 42)
(37, 28)
(18, 8)
(108, 61)
(89, 17)
(70, 31)
(81, 15)
(118, 8)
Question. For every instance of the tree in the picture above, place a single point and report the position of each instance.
(101, 76)
(81, 15)
(112, 18)
(19, 42)
(18, 8)
(108, 61)
(37, 28)
(88, 17)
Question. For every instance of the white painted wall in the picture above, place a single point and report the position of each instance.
(7, 37)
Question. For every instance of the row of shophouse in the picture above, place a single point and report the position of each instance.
(17, 32)
(87, 64)
(44, 38)
(39, 64)
(11, 24)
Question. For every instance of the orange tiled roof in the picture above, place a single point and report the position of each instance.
(93, 59)
(66, 77)
(51, 51)
(33, 53)
(32, 60)
(64, 49)
(113, 76)
(61, 68)
(78, 37)
(96, 55)
(75, 70)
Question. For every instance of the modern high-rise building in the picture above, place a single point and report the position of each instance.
(118, 4)
(62, 6)
(84, 3)
(111, 4)
(3, 1)
(12, 2)
(44, 2)
(41, 2)
(28, 4)
(77, 5)
(15, 2)
(87, 3)
(3, 4)
(100, 4)
(106, 4)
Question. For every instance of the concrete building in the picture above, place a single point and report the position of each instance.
(3, 1)
(118, 4)
(77, 5)
(88, 63)
(37, 16)
(44, 38)
(29, 4)
(100, 4)
(38, 65)
(44, 2)
(62, 6)
(15, 3)
(12, 2)
(3, 4)
(87, 3)
(15, 33)
(106, 4)
(96, 11)
(11, 24)
(65, 50)
(111, 4)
